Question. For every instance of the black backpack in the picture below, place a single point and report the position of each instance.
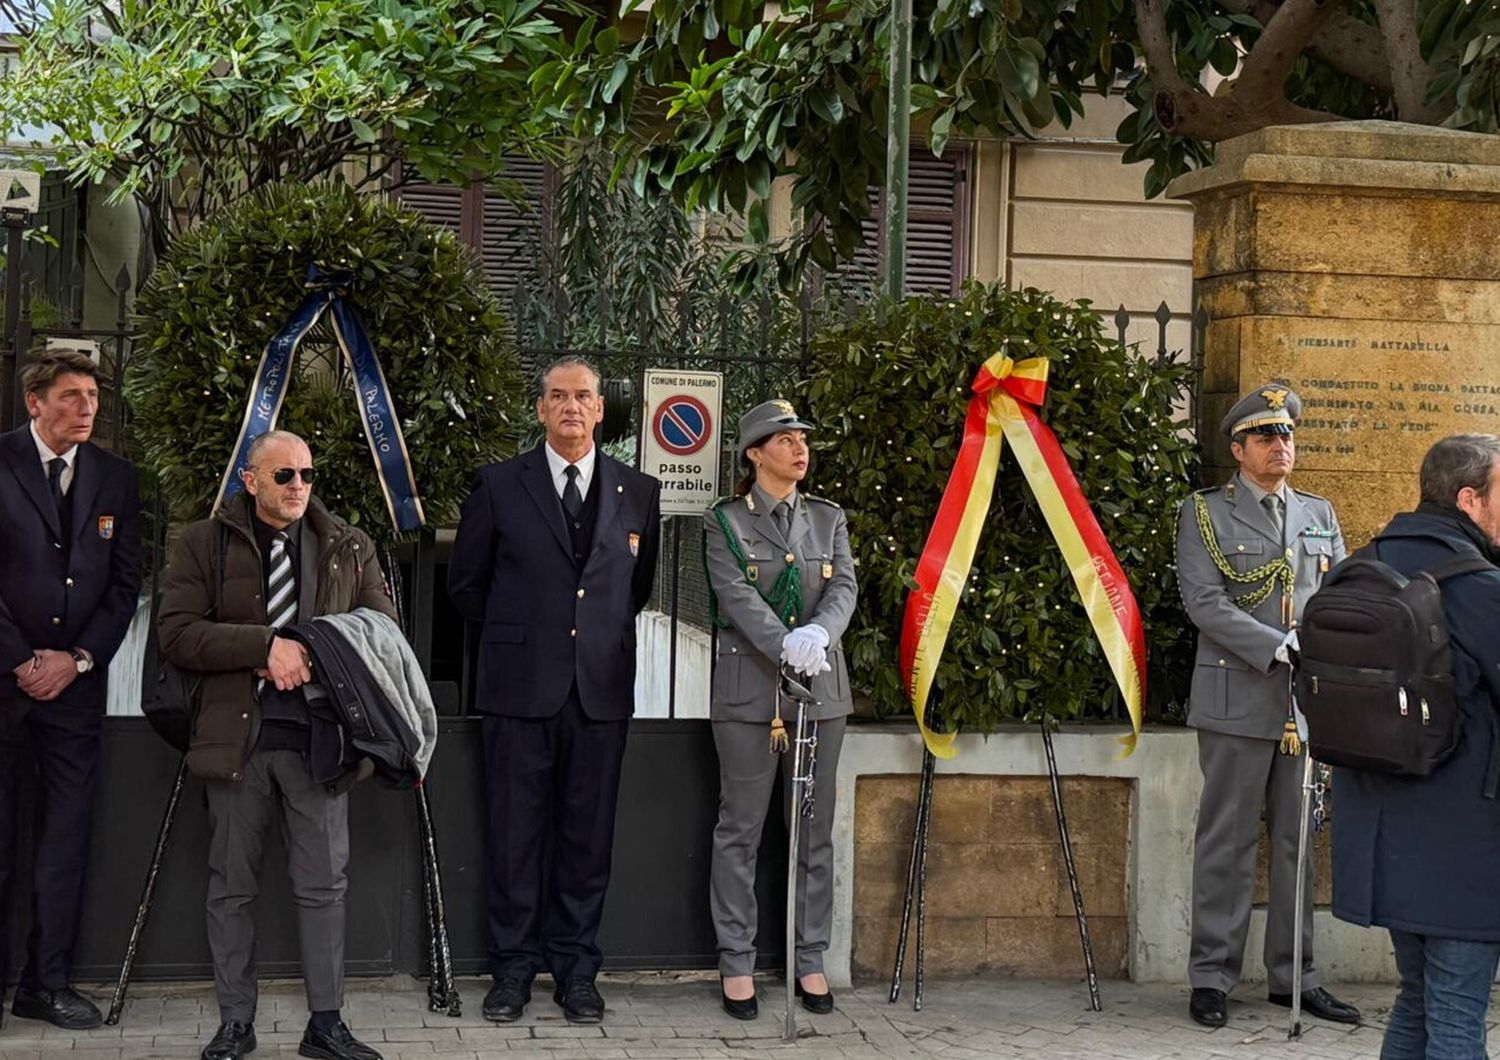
(1374, 676)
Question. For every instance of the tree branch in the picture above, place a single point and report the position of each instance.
(1410, 74)
(1256, 99)
(1265, 69)
(1343, 42)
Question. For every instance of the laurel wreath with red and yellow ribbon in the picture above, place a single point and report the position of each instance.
(1004, 406)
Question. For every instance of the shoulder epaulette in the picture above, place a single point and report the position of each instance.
(722, 501)
(1206, 490)
(819, 500)
(1312, 496)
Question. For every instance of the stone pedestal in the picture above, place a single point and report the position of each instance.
(1359, 262)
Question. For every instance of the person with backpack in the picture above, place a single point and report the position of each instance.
(1419, 855)
(1250, 553)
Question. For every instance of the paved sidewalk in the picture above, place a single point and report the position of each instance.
(677, 1016)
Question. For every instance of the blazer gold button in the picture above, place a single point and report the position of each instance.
(69, 583)
(245, 716)
(56, 621)
(580, 594)
(1240, 547)
(791, 558)
(1221, 662)
(1290, 553)
(572, 633)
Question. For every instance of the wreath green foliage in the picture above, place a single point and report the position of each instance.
(889, 392)
(228, 286)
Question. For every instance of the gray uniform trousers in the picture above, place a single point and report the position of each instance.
(315, 825)
(747, 772)
(1240, 774)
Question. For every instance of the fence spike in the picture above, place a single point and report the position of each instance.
(1122, 321)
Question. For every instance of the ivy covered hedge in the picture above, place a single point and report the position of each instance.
(229, 285)
(889, 392)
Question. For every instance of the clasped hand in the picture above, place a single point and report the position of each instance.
(44, 676)
(805, 650)
(287, 665)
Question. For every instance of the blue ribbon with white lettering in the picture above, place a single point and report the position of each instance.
(377, 408)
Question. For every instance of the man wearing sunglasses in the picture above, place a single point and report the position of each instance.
(259, 747)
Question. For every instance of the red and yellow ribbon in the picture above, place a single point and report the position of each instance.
(1004, 406)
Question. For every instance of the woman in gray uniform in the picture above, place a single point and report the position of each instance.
(782, 583)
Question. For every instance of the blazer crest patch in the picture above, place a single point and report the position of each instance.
(106, 526)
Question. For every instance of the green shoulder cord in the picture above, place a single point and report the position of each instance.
(1278, 570)
(785, 598)
(785, 595)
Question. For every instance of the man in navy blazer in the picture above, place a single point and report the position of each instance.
(70, 580)
(555, 556)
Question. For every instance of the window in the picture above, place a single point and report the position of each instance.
(937, 225)
(504, 232)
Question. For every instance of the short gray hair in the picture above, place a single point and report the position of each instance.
(260, 441)
(1455, 462)
(571, 360)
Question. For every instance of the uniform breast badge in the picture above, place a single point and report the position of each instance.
(635, 544)
(827, 571)
(106, 526)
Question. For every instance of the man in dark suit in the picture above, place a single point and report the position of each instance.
(555, 556)
(70, 581)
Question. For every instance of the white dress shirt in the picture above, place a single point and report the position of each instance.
(559, 466)
(47, 456)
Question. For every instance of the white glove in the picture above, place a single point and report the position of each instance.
(1287, 647)
(805, 649)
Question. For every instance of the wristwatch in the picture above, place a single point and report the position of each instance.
(82, 659)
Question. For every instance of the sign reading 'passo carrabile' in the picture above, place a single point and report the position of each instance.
(680, 437)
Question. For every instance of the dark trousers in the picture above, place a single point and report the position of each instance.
(315, 826)
(552, 789)
(54, 749)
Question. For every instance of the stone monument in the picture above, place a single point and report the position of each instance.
(1359, 262)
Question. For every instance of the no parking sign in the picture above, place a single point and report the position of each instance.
(680, 443)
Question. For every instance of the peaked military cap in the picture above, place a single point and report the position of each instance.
(1271, 409)
(765, 420)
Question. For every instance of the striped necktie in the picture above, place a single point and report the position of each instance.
(281, 593)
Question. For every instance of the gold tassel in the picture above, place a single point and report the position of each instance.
(1291, 743)
(780, 742)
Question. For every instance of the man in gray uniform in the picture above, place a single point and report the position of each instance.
(1249, 555)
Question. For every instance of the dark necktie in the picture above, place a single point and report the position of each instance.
(55, 468)
(782, 513)
(571, 498)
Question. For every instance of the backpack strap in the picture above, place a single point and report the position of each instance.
(1464, 564)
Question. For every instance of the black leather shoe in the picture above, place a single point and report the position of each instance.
(747, 1009)
(822, 1004)
(1208, 1006)
(233, 1041)
(1320, 1003)
(337, 1044)
(65, 1008)
(580, 1001)
(507, 999)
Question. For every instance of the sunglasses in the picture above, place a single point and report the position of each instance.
(282, 475)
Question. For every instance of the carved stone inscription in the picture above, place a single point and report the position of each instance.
(1376, 395)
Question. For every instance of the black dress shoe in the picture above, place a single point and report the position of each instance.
(65, 1008)
(507, 999)
(233, 1040)
(1208, 1007)
(747, 1009)
(822, 1004)
(337, 1044)
(580, 1001)
(1320, 1003)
